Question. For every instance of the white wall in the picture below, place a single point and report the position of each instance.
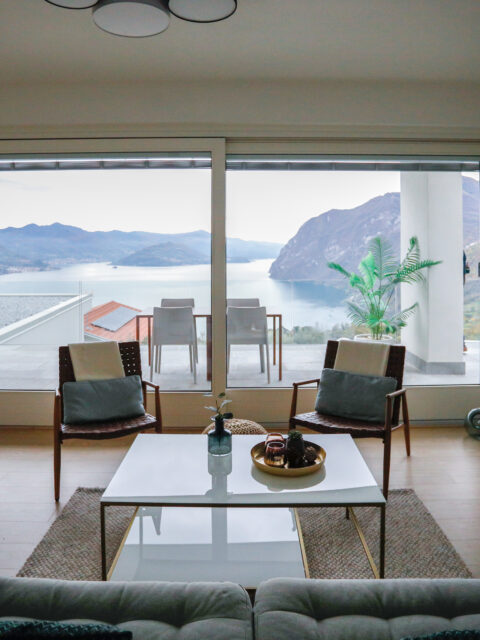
(242, 108)
(431, 210)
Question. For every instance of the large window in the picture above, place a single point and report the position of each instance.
(310, 212)
(89, 248)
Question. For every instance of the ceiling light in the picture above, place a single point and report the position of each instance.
(203, 10)
(132, 18)
(73, 4)
(141, 18)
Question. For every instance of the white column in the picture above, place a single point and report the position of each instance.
(431, 209)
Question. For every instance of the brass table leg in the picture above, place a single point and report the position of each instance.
(102, 539)
(376, 572)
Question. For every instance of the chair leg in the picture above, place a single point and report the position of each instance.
(268, 363)
(57, 460)
(262, 358)
(194, 364)
(406, 424)
(387, 447)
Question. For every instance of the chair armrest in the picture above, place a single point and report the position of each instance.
(394, 394)
(390, 403)
(158, 410)
(150, 384)
(293, 407)
(298, 384)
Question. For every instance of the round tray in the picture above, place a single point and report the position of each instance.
(258, 451)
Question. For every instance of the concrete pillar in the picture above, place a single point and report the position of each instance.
(431, 209)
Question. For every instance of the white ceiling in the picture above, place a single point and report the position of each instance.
(435, 40)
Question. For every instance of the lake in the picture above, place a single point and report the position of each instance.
(301, 303)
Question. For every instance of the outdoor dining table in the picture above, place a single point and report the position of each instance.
(277, 344)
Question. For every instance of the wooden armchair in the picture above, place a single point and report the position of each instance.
(357, 428)
(130, 354)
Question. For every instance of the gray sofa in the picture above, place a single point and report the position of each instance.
(288, 609)
(285, 609)
(151, 610)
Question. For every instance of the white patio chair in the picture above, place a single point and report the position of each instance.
(178, 302)
(243, 302)
(248, 325)
(173, 326)
(182, 302)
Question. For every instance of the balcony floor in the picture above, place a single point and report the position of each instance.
(35, 368)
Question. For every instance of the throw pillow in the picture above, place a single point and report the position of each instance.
(450, 634)
(47, 630)
(353, 395)
(102, 400)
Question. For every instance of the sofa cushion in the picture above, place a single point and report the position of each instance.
(46, 630)
(102, 400)
(150, 610)
(291, 609)
(352, 395)
(452, 634)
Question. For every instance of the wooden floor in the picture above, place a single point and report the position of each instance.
(444, 470)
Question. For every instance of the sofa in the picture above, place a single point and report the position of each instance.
(292, 609)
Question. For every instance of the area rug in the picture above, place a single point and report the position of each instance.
(416, 547)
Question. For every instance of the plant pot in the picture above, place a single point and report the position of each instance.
(366, 337)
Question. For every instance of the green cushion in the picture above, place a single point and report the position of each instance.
(44, 630)
(352, 395)
(102, 400)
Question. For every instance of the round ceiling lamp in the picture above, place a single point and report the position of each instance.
(73, 4)
(203, 10)
(132, 18)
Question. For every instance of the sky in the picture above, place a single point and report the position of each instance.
(261, 205)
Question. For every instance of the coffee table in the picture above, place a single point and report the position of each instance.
(211, 516)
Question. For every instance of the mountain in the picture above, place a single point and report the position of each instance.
(165, 254)
(57, 245)
(341, 235)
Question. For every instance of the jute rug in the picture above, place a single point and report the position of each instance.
(416, 547)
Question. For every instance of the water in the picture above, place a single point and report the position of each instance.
(301, 303)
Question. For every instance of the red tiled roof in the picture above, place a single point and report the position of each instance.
(124, 334)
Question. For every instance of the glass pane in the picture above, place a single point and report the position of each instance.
(85, 252)
(313, 218)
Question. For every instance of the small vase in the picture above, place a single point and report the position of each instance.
(219, 439)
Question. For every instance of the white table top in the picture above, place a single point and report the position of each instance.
(176, 470)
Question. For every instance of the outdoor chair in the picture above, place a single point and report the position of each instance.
(183, 302)
(178, 302)
(356, 428)
(173, 326)
(243, 302)
(248, 325)
(130, 355)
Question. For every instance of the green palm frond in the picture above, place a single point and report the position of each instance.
(367, 268)
(384, 256)
(336, 267)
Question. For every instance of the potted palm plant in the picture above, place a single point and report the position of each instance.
(379, 275)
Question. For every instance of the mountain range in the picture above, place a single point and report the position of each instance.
(58, 245)
(341, 235)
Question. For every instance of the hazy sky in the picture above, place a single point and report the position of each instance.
(263, 205)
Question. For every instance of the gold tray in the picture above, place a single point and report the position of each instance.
(258, 451)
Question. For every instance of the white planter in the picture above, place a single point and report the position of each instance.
(366, 337)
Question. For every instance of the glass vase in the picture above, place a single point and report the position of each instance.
(219, 439)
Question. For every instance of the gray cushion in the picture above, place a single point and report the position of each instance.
(150, 610)
(352, 395)
(102, 400)
(291, 609)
